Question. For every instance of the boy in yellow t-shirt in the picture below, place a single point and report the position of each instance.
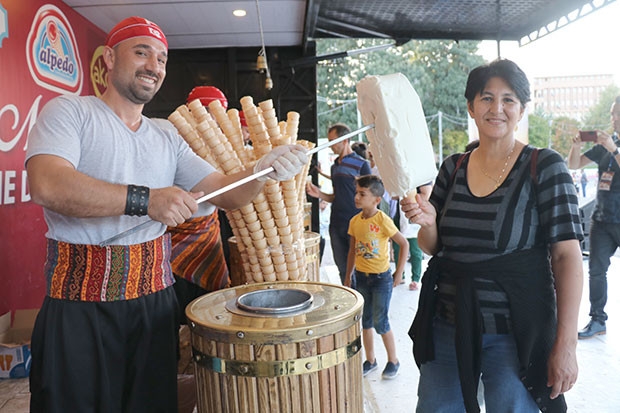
(369, 262)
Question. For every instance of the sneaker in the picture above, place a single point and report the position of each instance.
(390, 371)
(368, 367)
(594, 328)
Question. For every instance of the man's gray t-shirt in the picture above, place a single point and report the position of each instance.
(87, 133)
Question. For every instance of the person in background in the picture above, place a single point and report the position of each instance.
(244, 129)
(584, 182)
(360, 149)
(318, 169)
(576, 181)
(197, 256)
(500, 296)
(368, 261)
(410, 231)
(605, 223)
(344, 170)
(105, 337)
(324, 213)
(373, 165)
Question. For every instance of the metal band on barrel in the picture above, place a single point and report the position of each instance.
(278, 368)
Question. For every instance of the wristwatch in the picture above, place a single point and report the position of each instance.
(616, 152)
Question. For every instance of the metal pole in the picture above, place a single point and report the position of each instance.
(440, 149)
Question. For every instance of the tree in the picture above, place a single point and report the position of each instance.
(437, 69)
(563, 130)
(539, 131)
(598, 116)
(454, 141)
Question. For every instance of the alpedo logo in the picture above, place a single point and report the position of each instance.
(52, 52)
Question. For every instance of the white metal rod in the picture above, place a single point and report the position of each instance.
(234, 185)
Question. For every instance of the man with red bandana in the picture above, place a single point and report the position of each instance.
(105, 337)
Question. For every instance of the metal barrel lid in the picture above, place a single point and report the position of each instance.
(217, 316)
(275, 301)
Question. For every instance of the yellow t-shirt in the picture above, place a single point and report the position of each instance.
(371, 241)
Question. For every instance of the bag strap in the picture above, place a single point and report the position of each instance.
(459, 161)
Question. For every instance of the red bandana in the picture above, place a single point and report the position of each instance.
(134, 27)
(207, 94)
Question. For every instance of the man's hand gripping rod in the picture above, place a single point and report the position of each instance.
(235, 185)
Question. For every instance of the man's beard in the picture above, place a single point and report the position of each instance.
(138, 95)
(135, 93)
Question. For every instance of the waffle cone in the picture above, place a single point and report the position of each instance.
(267, 228)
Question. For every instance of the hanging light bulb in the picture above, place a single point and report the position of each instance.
(261, 62)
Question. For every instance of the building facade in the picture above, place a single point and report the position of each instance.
(570, 96)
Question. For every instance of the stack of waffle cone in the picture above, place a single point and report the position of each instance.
(269, 231)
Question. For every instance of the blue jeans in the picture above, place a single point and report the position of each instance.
(439, 390)
(604, 239)
(377, 292)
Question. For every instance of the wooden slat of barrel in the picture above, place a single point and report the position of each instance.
(265, 352)
(310, 391)
(285, 387)
(312, 242)
(228, 383)
(354, 391)
(327, 381)
(248, 397)
(340, 339)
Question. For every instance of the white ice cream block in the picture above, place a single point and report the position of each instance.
(399, 142)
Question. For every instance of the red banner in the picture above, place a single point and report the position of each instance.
(46, 49)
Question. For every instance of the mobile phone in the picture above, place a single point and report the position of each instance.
(588, 135)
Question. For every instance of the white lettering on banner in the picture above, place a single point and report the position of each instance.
(7, 144)
(9, 187)
(25, 191)
(56, 63)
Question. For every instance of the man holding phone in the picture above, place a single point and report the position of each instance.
(605, 227)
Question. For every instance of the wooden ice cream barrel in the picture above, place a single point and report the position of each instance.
(235, 272)
(312, 250)
(278, 347)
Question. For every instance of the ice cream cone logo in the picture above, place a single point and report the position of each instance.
(54, 38)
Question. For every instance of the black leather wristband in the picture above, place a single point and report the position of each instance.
(616, 152)
(137, 200)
